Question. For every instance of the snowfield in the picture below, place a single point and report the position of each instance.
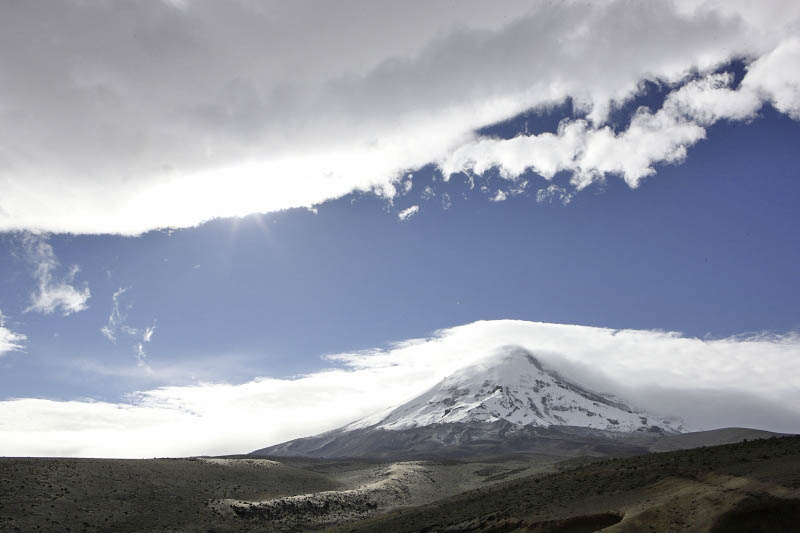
(514, 386)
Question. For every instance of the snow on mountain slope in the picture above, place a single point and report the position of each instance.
(513, 386)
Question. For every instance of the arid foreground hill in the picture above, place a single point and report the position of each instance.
(737, 488)
(751, 486)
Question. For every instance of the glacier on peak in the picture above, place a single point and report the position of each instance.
(513, 386)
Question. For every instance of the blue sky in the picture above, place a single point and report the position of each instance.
(420, 188)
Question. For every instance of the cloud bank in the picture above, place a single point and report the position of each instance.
(124, 117)
(739, 381)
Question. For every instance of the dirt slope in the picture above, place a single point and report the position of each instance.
(721, 488)
(724, 488)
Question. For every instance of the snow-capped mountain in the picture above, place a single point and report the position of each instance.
(512, 385)
(508, 402)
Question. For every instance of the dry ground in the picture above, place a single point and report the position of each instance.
(747, 487)
(227, 494)
(739, 487)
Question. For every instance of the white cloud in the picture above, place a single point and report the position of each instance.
(710, 99)
(148, 333)
(553, 192)
(407, 213)
(166, 117)
(777, 77)
(116, 319)
(407, 184)
(53, 293)
(751, 381)
(499, 197)
(117, 324)
(9, 340)
(593, 153)
(141, 355)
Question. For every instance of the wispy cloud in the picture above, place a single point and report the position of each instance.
(116, 319)
(117, 324)
(500, 196)
(553, 193)
(54, 292)
(148, 333)
(352, 109)
(407, 213)
(141, 357)
(9, 340)
(738, 381)
(190, 370)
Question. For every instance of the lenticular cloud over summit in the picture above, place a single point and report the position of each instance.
(125, 117)
(751, 381)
